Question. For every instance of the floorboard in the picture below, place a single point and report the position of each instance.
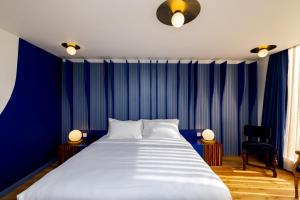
(254, 183)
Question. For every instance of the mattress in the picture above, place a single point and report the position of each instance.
(148, 169)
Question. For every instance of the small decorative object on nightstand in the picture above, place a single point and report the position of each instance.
(212, 152)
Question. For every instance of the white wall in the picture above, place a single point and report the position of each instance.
(9, 45)
(261, 79)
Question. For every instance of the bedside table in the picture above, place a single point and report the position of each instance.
(211, 153)
(67, 150)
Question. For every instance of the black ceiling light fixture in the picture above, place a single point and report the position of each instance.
(71, 47)
(263, 50)
(178, 12)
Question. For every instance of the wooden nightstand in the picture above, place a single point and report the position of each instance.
(212, 153)
(67, 150)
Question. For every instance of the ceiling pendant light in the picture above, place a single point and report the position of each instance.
(178, 12)
(177, 19)
(263, 51)
(71, 48)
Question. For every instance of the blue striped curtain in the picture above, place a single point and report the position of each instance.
(221, 97)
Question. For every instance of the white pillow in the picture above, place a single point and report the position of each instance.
(147, 122)
(161, 128)
(124, 129)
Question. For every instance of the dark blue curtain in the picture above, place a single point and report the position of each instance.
(274, 107)
(252, 77)
(200, 95)
(68, 78)
(87, 90)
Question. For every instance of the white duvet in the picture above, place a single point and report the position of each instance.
(145, 169)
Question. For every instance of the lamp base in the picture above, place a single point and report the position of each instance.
(208, 141)
(75, 142)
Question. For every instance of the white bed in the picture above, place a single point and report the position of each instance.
(131, 169)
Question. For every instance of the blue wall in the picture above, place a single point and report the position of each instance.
(30, 124)
(215, 96)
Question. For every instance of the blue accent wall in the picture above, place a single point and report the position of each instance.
(200, 95)
(30, 124)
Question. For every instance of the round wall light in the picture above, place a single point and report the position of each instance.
(71, 48)
(263, 51)
(75, 136)
(178, 12)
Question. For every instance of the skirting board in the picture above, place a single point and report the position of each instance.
(23, 180)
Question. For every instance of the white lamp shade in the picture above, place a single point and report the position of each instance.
(263, 53)
(75, 136)
(208, 134)
(177, 19)
(71, 50)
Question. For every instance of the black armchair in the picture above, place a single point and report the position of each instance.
(257, 143)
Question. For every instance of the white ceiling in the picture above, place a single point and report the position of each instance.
(129, 28)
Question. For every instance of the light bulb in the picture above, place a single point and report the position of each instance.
(208, 134)
(177, 19)
(71, 50)
(262, 53)
(75, 136)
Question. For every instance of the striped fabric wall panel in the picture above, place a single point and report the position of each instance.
(109, 68)
(203, 100)
(191, 95)
(98, 98)
(244, 116)
(65, 108)
(215, 103)
(172, 91)
(79, 98)
(183, 97)
(230, 111)
(145, 98)
(120, 89)
(161, 91)
(134, 91)
(190, 91)
(154, 111)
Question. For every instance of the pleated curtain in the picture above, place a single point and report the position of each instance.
(292, 135)
(221, 97)
(275, 98)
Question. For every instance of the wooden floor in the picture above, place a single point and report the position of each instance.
(254, 183)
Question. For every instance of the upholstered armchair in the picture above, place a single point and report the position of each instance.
(257, 143)
(296, 171)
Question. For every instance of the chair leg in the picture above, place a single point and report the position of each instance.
(296, 185)
(274, 163)
(245, 159)
(267, 160)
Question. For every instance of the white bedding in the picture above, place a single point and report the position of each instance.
(146, 169)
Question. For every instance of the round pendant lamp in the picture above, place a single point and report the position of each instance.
(263, 50)
(178, 12)
(71, 48)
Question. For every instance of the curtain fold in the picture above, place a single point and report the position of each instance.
(87, 90)
(274, 107)
(292, 135)
(200, 95)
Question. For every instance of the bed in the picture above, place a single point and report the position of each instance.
(131, 169)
